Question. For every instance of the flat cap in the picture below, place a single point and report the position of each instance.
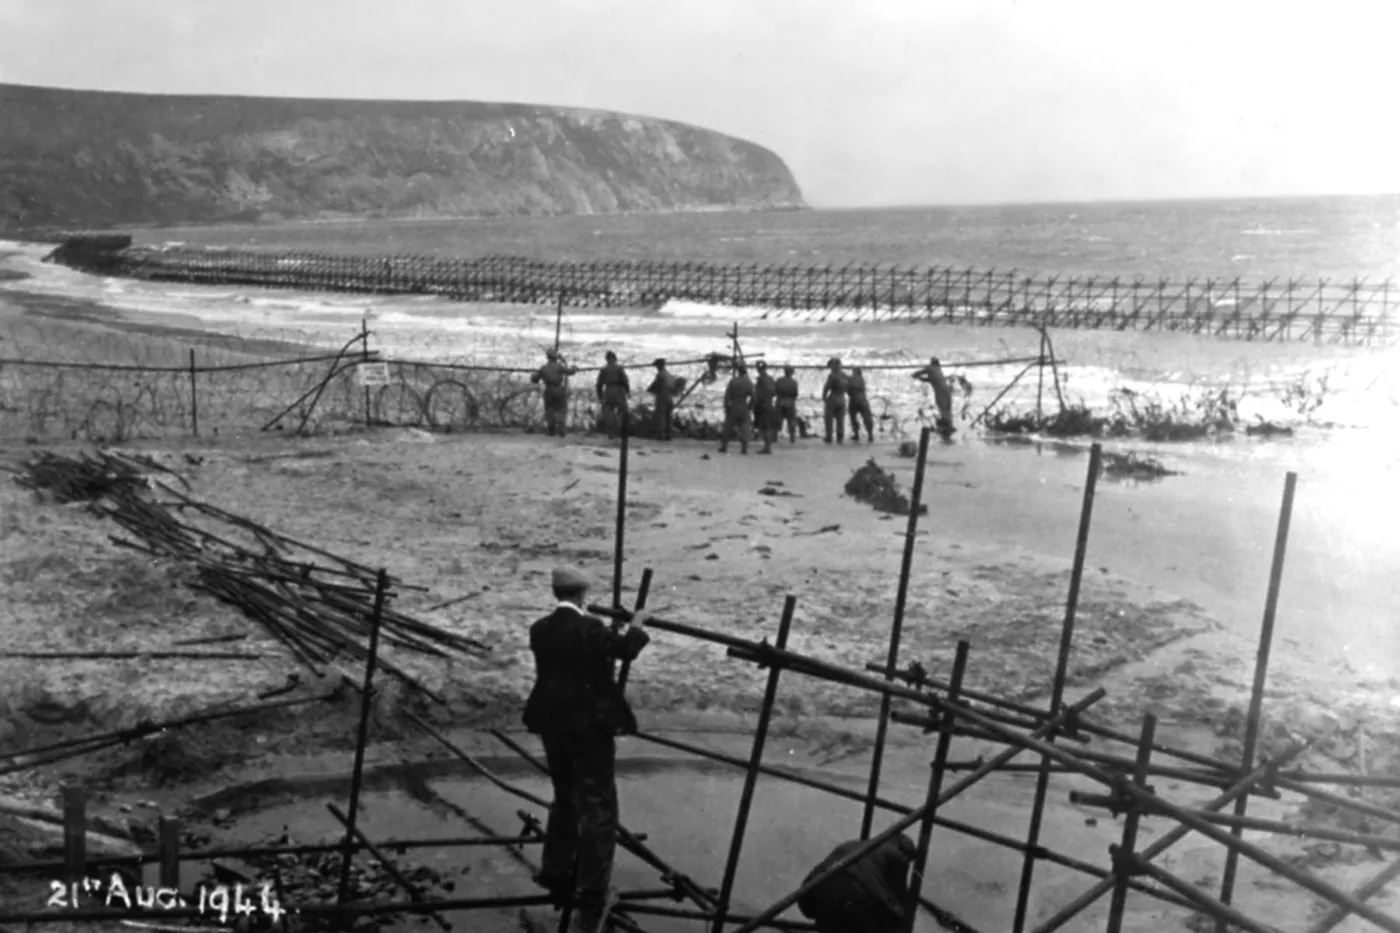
(567, 580)
(659, 361)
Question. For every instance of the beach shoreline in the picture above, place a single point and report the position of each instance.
(1167, 621)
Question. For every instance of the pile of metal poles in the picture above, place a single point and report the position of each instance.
(319, 605)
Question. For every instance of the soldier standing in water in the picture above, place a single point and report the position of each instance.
(738, 396)
(765, 408)
(613, 388)
(859, 407)
(662, 389)
(786, 408)
(942, 394)
(834, 401)
(554, 374)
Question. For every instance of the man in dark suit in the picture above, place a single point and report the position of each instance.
(577, 711)
(870, 896)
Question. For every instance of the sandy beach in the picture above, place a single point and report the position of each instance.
(1168, 620)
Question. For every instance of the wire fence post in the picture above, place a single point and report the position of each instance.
(1261, 673)
(366, 702)
(194, 398)
(364, 358)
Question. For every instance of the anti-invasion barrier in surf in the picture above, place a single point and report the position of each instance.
(1357, 312)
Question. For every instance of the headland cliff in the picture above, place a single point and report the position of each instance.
(97, 159)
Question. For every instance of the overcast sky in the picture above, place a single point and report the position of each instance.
(870, 102)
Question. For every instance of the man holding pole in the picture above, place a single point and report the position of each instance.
(577, 710)
(942, 394)
(868, 897)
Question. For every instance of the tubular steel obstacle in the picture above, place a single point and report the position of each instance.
(1055, 734)
(1355, 312)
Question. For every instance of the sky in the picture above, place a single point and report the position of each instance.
(869, 102)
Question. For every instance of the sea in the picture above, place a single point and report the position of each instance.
(1344, 444)
(1338, 239)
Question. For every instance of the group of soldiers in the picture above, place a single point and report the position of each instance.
(577, 708)
(766, 403)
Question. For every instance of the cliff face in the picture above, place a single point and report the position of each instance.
(95, 159)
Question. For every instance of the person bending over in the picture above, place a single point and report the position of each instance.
(869, 896)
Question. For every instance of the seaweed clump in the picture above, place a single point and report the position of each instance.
(877, 487)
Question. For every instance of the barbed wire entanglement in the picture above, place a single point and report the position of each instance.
(117, 387)
(1358, 312)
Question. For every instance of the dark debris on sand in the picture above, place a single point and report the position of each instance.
(877, 487)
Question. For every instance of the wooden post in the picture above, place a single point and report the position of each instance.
(892, 659)
(760, 739)
(194, 398)
(74, 834)
(169, 842)
(358, 770)
(935, 788)
(1261, 673)
(1057, 689)
(621, 526)
(364, 358)
(1123, 853)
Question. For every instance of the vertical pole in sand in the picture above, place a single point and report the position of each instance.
(892, 659)
(935, 787)
(1040, 384)
(1261, 673)
(364, 358)
(760, 739)
(74, 835)
(357, 775)
(621, 514)
(1122, 853)
(559, 320)
(194, 398)
(641, 603)
(1057, 690)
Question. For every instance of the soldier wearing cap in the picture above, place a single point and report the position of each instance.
(859, 407)
(765, 410)
(662, 389)
(942, 394)
(869, 896)
(787, 391)
(738, 418)
(554, 374)
(577, 710)
(834, 401)
(613, 388)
